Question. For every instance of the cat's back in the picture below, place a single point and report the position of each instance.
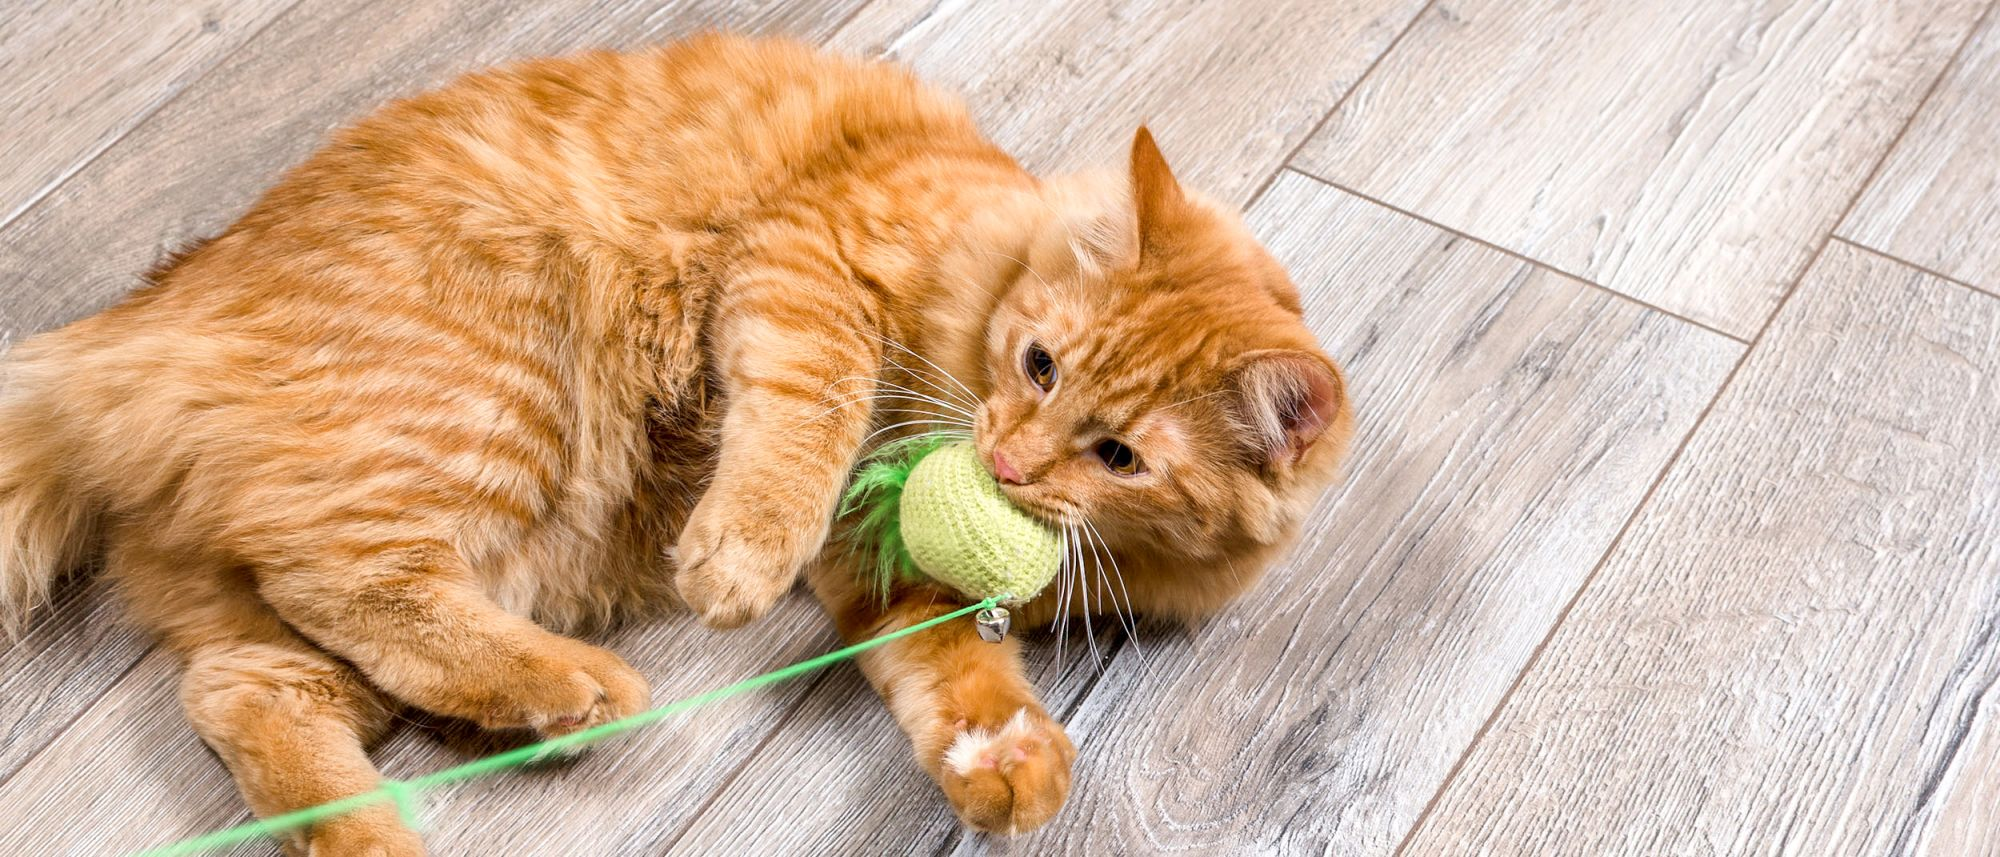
(615, 145)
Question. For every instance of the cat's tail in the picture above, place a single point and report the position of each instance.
(46, 524)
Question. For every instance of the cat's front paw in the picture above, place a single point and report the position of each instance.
(1009, 777)
(733, 571)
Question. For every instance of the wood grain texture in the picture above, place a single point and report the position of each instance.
(1937, 201)
(1063, 83)
(61, 666)
(200, 161)
(842, 746)
(1791, 649)
(1961, 815)
(74, 76)
(1510, 420)
(1691, 155)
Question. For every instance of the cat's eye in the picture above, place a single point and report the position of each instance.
(1041, 368)
(1119, 458)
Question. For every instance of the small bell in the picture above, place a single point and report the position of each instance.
(994, 623)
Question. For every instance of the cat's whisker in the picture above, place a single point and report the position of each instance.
(951, 429)
(857, 397)
(971, 397)
(1083, 580)
(893, 388)
(1060, 624)
(890, 388)
(918, 374)
(1098, 557)
(954, 405)
(1130, 614)
(931, 372)
(881, 397)
(953, 418)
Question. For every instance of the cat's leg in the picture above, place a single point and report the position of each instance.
(289, 721)
(797, 365)
(967, 706)
(416, 623)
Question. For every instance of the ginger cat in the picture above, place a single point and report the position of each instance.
(565, 340)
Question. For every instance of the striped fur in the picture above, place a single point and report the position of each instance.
(583, 337)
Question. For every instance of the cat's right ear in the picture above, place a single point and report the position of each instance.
(1286, 401)
(1157, 199)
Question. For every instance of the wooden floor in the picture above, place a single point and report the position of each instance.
(1673, 526)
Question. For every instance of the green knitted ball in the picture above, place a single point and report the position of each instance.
(960, 530)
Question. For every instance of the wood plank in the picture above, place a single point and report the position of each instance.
(1964, 809)
(1937, 200)
(76, 75)
(844, 748)
(1230, 89)
(129, 774)
(1788, 651)
(1691, 155)
(200, 161)
(1510, 421)
(59, 667)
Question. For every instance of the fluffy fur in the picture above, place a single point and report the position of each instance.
(564, 340)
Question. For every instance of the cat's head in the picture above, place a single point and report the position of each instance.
(1149, 373)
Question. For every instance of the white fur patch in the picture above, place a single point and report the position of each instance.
(972, 746)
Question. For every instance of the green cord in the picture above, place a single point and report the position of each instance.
(404, 794)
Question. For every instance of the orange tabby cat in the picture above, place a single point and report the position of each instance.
(520, 353)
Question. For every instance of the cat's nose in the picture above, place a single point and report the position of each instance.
(1004, 470)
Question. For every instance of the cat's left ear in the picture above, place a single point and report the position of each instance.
(1286, 400)
(1156, 195)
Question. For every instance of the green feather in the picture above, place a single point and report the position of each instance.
(873, 503)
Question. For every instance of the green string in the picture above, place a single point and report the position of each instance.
(404, 793)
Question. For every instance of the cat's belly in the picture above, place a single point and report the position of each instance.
(604, 548)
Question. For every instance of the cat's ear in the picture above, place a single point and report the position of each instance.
(1286, 400)
(1156, 195)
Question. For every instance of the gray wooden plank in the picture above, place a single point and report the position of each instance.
(1691, 155)
(1787, 652)
(1063, 83)
(201, 160)
(59, 667)
(1936, 202)
(128, 774)
(1962, 812)
(75, 75)
(1510, 420)
(843, 747)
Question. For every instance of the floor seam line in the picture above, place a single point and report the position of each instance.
(1521, 257)
(80, 712)
(1340, 102)
(1896, 142)
(1562, 618)
(144, 116)
(1884, 254)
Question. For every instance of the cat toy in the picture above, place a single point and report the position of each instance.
(925, 505)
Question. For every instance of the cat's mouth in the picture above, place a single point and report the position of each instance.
(1033, 500)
